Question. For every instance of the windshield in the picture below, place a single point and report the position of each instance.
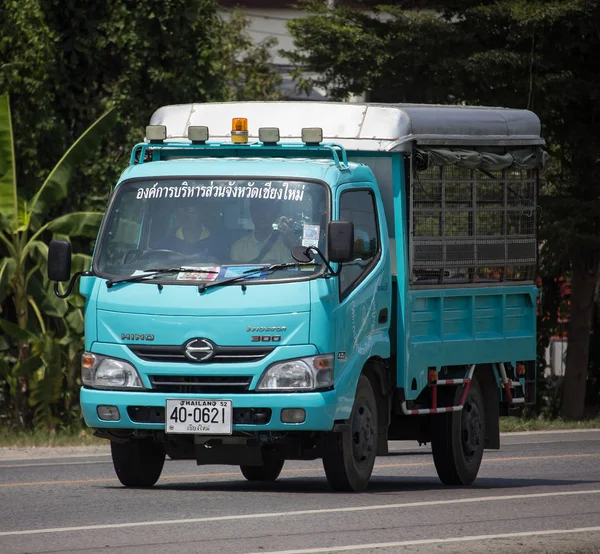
(222, 228)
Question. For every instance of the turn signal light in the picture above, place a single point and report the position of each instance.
(88, 360)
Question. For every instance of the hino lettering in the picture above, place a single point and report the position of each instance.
(125, 336)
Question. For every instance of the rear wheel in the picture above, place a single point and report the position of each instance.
(269, 471)
(138, 462)
(458, 438)
(349, 456)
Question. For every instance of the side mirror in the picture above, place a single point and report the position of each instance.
(340, 241)
(59, 261)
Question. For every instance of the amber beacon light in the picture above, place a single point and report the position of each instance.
(239, 130)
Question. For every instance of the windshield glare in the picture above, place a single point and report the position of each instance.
(219, 227)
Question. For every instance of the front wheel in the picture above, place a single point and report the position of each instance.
(268, 471)
(457, 440)
(138, 462)
(349, 456)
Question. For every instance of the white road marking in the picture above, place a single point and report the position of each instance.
(52, 464)
(15, 455)
(469, 538)
(298, 513)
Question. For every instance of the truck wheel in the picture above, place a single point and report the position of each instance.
(349, 457)
(457, 440)
(138, 462)
(269, 471)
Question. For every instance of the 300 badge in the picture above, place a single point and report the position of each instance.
(265, 338)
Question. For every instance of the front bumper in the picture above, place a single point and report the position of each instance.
(320, 409)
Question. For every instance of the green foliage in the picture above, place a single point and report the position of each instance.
(36, 362)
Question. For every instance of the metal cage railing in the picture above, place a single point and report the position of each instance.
(472, 225)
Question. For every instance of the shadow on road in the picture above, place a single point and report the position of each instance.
(378, 485)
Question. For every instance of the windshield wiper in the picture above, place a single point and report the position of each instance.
(249, 273)
(155, 272)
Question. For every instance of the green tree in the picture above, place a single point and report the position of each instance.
(35, 374)
(534, 54)
(66, 62)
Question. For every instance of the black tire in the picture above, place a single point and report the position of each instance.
(457, 440)
(349, 457)
(138, 462)
(269, 471)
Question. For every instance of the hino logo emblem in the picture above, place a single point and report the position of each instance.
(199, 350)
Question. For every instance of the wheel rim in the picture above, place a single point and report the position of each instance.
(471, 430)
(363, 434)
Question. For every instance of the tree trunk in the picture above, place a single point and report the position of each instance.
(583, 285)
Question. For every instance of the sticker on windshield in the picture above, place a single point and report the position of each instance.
(202, 273)
(271, 190)
(237, 270)
(310, 235)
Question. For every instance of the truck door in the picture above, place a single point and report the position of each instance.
(363, 312)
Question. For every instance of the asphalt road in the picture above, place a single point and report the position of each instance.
(539, 493)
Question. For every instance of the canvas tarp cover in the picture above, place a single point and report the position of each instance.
(525, 158)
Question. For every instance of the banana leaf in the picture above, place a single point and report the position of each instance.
(16, 333)
(27, 367)
(54, 188)
(75, 321)
(8, 175)
(49, 304)
(4, 369)
(8, 266)
(81, 224)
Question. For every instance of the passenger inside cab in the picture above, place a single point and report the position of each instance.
(271, 241)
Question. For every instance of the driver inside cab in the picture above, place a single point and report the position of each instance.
(191, 236)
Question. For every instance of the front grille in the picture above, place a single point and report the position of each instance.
(222, 354)
(247, 416)
(209, 384)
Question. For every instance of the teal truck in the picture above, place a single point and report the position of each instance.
(299, 280)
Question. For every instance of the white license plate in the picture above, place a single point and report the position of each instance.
(198, 417)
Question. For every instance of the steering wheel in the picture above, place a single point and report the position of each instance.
(159, 252)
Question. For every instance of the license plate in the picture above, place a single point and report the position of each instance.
(198, 416)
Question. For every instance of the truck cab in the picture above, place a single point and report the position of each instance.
(254, 299)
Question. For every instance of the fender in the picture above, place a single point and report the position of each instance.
(346, 386)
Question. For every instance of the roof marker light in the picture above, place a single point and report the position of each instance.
(198, 134)
(239, 130)
(269, 136)
(312, 136)
(156, 133)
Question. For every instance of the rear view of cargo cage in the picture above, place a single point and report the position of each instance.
(282, 280)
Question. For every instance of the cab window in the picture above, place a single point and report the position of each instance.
(358, 206)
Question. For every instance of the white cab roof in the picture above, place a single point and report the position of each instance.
(360, 126)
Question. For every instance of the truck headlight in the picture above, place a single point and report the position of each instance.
(301, 374)
(102, 372)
